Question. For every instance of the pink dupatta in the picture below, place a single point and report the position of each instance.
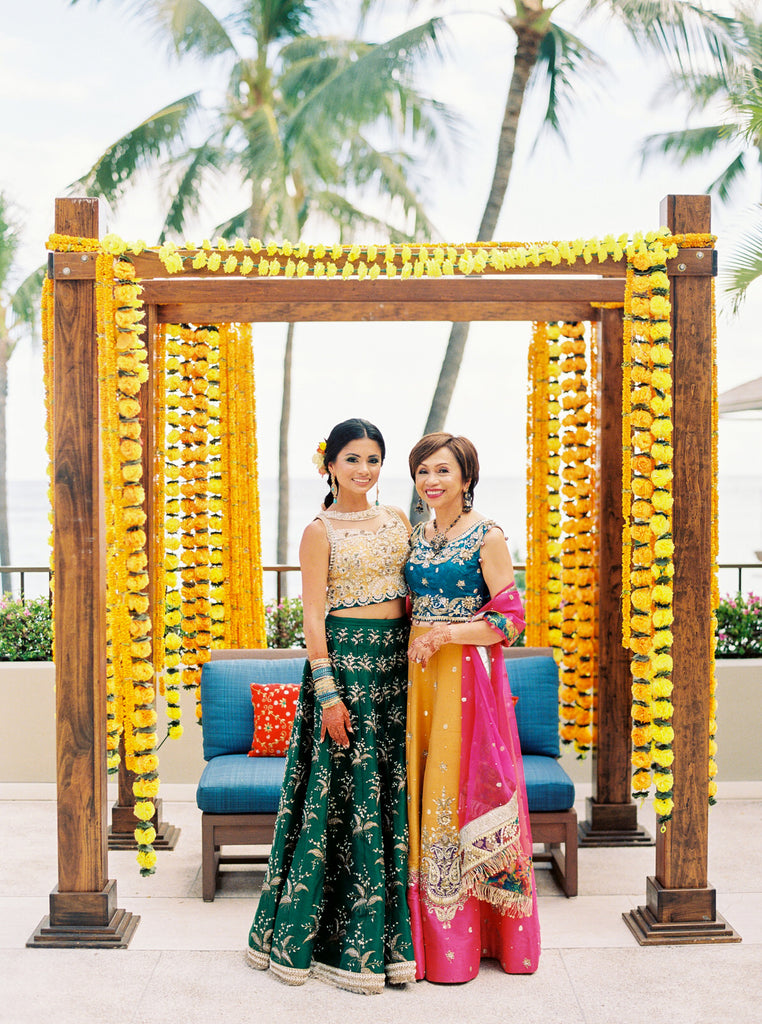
(495, 836)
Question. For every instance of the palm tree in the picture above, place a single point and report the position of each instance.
(311, 125)
(17, 320)
(548, 55)
(736, 89)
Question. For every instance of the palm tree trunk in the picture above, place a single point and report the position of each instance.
(283, 483)
(527, 48)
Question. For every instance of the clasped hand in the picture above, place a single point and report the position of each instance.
(424, 647)
(336, 722)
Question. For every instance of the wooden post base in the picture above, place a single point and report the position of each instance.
(676, 917)
(612, 825)
(85, 920)
(121, 831)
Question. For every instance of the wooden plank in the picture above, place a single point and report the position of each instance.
(303, 312)
(80, 578)
(245, 290)
(611, 778)
(682, 848)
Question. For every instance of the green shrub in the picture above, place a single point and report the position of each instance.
(26, 630)
(739, 627)
(284, 623)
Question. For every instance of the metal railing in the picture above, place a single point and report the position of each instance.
(280, 569)
(21, 571)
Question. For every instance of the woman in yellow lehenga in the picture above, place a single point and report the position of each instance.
(471, 886)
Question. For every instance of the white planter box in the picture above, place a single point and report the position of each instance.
(28, 738)
(28, 729)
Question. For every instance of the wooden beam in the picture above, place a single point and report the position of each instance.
(306, 312)
(689, 263)
(83, 909)
(612, 816)
(681, 906)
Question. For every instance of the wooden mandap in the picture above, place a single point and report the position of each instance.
(680, 904)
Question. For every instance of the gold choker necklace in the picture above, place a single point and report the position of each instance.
(439, 538)
(365, 513)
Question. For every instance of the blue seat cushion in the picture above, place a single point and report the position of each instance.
(237, 784)
(227, 710)
(549, 788)
(535, 682)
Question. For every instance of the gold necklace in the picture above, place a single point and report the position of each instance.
(439, 538)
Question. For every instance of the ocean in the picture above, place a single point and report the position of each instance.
(503, 499)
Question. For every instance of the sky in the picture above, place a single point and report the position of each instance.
(73, 79)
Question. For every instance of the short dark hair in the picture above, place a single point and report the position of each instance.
(462, 449)
(343, 434)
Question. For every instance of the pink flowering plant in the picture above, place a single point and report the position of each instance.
(26, 630)
(284, 623)
(739, 627)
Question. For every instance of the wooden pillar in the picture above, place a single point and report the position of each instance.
(121, 831)
(83, 909)
(681, 905)
(612, 815)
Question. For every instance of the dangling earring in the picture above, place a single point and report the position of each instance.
(334, 490)
(468, 501)
(377, 501)
(419, 505)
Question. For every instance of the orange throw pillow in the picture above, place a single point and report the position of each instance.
(274, 710)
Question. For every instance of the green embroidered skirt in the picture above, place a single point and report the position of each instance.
(333, 900)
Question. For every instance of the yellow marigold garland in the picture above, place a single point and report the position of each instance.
(245, 624)
(650, 526)
(543, 495)
(123, 373)
(579, 593)
(537, 625)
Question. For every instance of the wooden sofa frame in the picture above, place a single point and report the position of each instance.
(550, 829)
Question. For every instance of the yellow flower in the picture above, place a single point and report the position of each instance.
(144, 810)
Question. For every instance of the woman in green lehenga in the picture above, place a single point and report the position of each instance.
(333, 899)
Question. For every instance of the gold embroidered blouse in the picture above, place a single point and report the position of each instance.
(366, 566)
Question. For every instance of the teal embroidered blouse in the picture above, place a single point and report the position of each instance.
(447, 586)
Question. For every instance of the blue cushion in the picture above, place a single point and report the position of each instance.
(237, 784)
(227, 711)
(549, 788)
(535, 682)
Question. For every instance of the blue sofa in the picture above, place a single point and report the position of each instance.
(238, 795)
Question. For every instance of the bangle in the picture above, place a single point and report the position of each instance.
(326, 693)
(324, 672)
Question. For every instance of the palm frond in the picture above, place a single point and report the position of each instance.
(25, 302)
(138, 148)
(563, 61)
(357, 83)
(187, 190)
(725, 182)
(686, 34)
(745, 265)
(9, 238)
(686, 145)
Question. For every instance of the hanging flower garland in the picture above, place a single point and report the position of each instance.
(123, 373)
(579, 583)
(245, 621)
(650, 526)
(536, 489)
(167, 397)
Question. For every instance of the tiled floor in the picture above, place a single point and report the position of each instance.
(185, 962)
